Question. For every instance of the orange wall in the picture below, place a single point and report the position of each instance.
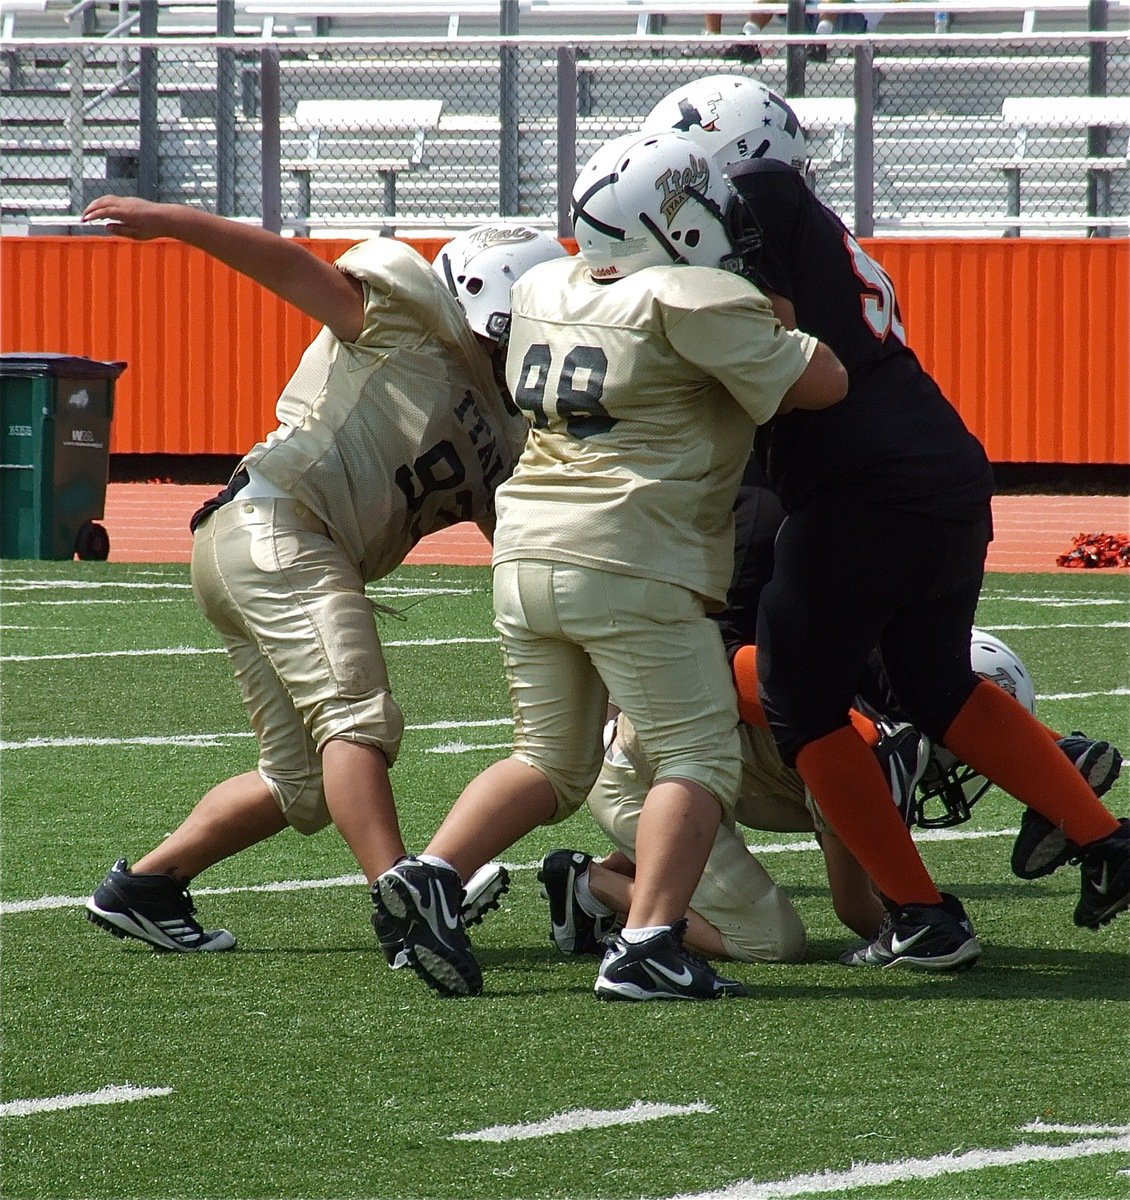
(1027, 337)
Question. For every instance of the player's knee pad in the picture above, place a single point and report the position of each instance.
(772, 932)
(718, 773)
(373, 720)
(302, 800)
(571, 784)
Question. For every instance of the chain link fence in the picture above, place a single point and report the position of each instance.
(997, 136)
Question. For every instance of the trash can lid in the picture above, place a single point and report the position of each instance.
(68, 366)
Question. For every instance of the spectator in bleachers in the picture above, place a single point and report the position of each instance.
(743, 51)
(825, 23)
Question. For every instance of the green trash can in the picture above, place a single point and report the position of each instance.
(55, 414)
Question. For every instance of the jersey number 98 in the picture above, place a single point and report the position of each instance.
(578, 407)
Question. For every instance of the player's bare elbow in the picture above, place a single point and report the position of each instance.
(823, 383)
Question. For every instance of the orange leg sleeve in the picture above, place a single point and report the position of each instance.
(865, 727)
(996, 735)
(749, 695)
(847, 783)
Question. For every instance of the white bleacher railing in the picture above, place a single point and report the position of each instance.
(924, 144)
(556, 17)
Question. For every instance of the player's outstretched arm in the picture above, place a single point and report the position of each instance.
(289, 270)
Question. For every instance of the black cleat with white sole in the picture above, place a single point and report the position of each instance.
(904, 755)
(923, 937)
(418, 909)
(1041, 847)
(1099, 763)
(571, 929)
(484, 892)
(1105, 866)
(154, 909)
(660, 968)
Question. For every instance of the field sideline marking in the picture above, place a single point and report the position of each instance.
(872, 1175)
(210, 739)
(170, 651)
(47, 903)
(41, 585)
(1063, 625)
(581, 1118)
(107, 1095)
(217, 739)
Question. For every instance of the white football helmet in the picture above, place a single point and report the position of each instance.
(734, 119)
(949, 788)
(480, 266)
(648, 200)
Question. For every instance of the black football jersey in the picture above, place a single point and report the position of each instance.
(895, 438)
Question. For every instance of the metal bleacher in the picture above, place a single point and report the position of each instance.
(202, 105)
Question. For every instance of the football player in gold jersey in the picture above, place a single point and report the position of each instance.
(644, 370)
(392, 426)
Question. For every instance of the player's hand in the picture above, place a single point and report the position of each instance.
(128, 216)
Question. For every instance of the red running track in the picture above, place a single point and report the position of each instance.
(148, 522)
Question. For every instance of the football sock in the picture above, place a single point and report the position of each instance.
(634, 936)
(749, 698)
(435, 861)
(848, 784)
(999, 738)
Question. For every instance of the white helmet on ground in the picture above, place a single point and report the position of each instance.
(480, 266)
(734, 119)
(949, 787)
(647, 200)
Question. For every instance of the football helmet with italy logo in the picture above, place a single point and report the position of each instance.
(649, 200)
(480, 267)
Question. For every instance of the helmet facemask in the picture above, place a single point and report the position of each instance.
(949, 788)
(745, 233)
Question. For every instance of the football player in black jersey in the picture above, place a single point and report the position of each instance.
(889, 519)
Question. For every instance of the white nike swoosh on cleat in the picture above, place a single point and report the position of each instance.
(1102, 884)
(898, 946)
(434, 899)
(682, 979)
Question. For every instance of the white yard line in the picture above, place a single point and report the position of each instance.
(85, 585)
(806, 845)
(1062, 625)
(581, 1118)
(180, 651)
(1118, 691)
(988, 595)
(107, 1095)
(873, 1175)
(212, 739)
(1056, 1127)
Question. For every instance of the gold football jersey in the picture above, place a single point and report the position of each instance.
(403, 431)
(643, 397)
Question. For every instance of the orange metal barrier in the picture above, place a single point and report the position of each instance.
(1026, 336)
